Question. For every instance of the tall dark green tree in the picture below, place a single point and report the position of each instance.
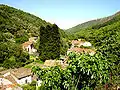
(49, 47)
(56, 40)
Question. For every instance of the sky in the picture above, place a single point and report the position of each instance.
(66, 13)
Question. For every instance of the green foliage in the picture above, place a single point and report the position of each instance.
(31, 86)
(16, 27)
(39, 61)
(6, 46)
(21, 24)
(65, 44)
(92, 70)
(105, 37)
(16, 21)
(10, 63)
(95, 24)
(11, 54)
(84, 72)
(22, 38)
(49, 47)
(83, 26)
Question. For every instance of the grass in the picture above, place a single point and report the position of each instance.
(28, 66)
(35, 63)
(39, 61)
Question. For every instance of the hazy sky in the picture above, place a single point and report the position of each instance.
(67, 13)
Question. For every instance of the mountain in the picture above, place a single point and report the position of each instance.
(20, 24)
(14, 20)
(92, 23)
(83, 26)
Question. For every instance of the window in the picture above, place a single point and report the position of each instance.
(26, 81)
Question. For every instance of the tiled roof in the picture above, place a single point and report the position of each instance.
(27, 43)
(53, 62)
(18, 72)
(6, 87)
(11, 79)
(31, 40)
(5, 71)
(76, 42)
(81, 50)
(21, 72)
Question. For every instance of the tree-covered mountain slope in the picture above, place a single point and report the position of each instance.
(91, 23)
(88, 32)
(20, 24)
(16, 21)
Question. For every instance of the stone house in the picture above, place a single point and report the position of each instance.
(10, 79)
(18, 76)
(22, 75)
(76, 47)
(29, 47)
(78, 43)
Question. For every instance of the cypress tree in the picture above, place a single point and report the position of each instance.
(43, 40)
(49, 47)
(56, 40)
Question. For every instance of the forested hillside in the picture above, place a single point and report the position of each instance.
(20, 24)
(16, 27)
(91, 23)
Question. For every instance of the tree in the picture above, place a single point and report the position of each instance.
(49, 47)
(84, 72)
(11, 54)
(56, 41)
(7, 46)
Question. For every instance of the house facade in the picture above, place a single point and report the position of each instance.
(22, 75)
(11, 78)
(25, 80)
(76, 47)
(78, 43)
(29, 47)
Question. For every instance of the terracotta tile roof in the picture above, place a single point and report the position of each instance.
(81, 50)
(5, 87)
(18, 72)
(5, 71)
(21, 72)
(10, 85)
(76, 42)
(53, 62)
(27, 43)
(11, 79)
